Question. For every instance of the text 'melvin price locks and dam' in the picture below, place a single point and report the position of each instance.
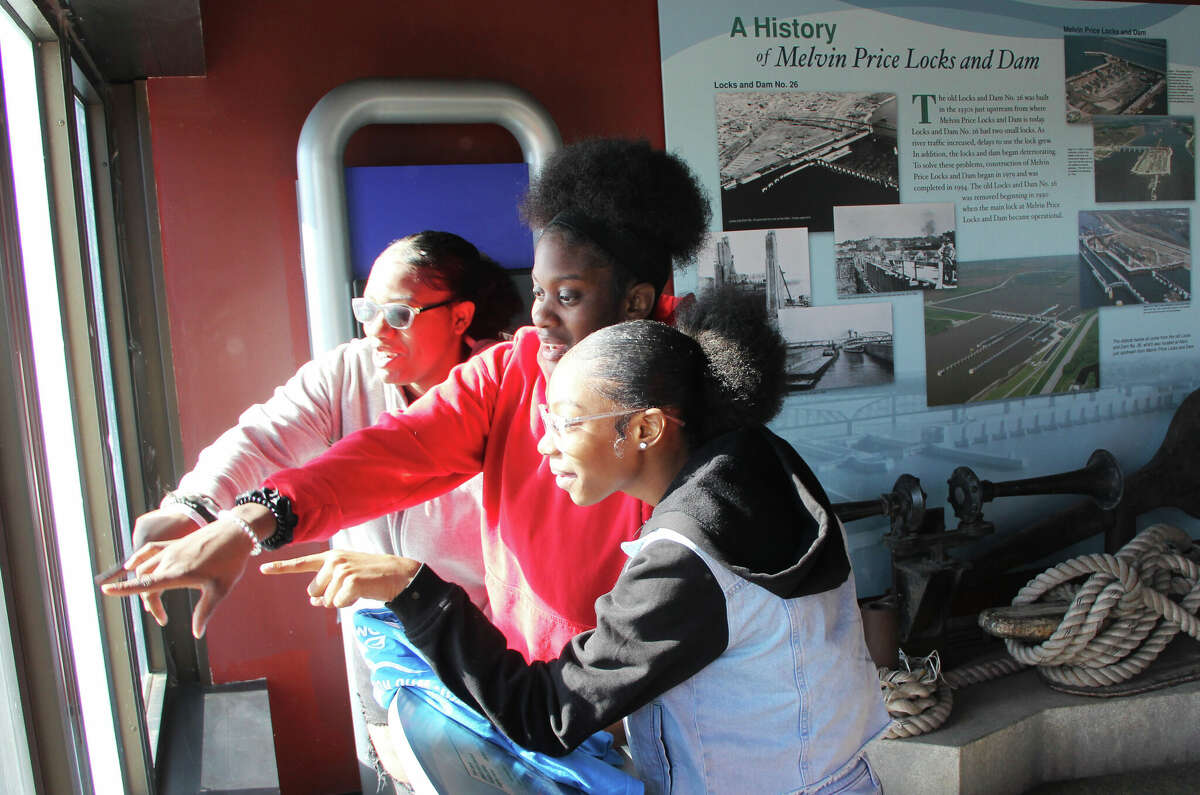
(862, 58)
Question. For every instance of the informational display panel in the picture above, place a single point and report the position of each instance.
(973, 218)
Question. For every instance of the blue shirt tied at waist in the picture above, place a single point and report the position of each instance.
(592, 767)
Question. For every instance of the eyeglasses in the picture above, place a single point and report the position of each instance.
(558, 425)
(398, 316)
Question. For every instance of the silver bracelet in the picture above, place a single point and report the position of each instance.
(245, 526)
(183, 509)
(202, 505)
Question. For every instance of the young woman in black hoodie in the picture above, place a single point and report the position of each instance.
(731, 644)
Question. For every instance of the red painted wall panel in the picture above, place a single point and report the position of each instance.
(224, 159)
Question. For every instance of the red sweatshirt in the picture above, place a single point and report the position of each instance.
(547, 560)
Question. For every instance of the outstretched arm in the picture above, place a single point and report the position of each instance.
(663, 621)
(434, 446)
(210, 560)
(343, 576)
(301, 419)
(405, 459)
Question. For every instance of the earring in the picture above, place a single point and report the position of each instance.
(642, 446)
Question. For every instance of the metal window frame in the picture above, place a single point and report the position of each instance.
(321, 179)
(126, 691)
(37, 619)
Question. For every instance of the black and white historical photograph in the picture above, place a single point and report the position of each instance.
(774, 261)
(1144, 158)
(1114, 76)
(888, 248)
(833, 347)
(1135, 256)
(787, 158)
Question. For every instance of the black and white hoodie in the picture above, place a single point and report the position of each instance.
(731, 643)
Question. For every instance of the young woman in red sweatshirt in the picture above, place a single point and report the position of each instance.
(614, 217)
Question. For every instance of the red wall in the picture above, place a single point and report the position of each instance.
(224, 149)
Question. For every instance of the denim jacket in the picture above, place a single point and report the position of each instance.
(788, 707)
(732, 641)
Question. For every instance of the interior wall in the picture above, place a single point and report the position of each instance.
(225, 166)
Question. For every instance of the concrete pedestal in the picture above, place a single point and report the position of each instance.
(1014, 733)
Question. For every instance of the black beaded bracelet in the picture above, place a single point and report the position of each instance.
(280, 507)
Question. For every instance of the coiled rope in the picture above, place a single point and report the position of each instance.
(1121, 616)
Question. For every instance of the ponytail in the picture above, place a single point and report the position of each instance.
(745, 357)
(722, 368)
(446, 261)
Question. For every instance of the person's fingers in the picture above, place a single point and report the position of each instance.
(147, 566)
(143, 583)
(111, 573)
(210, 597)
(295, 565)
(319, 586)
(339, 581)
(346, 593)
(152, 604)
(144, 554)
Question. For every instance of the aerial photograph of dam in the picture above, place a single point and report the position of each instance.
(788, 157)
(1013, 328)
(1144, 158)
(1114, 76)
(888, 248)
(1135, 256)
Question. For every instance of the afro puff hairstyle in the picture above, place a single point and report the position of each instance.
(647, 198)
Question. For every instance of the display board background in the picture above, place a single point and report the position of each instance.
(858, 440)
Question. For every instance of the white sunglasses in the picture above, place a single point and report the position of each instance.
(398, 316)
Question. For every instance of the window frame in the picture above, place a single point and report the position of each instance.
(122, 198)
